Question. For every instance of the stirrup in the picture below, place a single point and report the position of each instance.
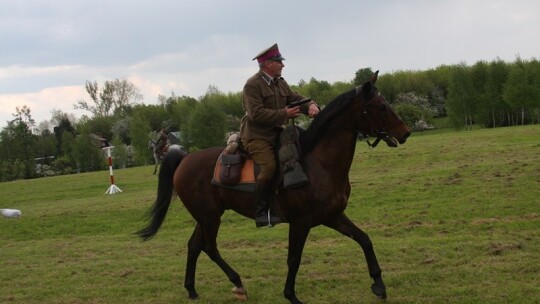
(271, 221)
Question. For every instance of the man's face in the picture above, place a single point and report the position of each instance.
(274, 68)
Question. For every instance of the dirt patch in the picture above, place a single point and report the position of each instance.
(499, 249)
(454, 179)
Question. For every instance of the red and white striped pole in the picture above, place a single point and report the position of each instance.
(112, 189)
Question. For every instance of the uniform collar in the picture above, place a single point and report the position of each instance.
(267, 78)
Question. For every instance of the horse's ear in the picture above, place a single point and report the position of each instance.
(373, 78)
(368, 85)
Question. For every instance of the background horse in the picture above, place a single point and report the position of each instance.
(159, 153)
(327, 147)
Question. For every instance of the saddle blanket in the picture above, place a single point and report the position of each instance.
(247, 177)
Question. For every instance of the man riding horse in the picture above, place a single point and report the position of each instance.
(162, 143)
(266, 96)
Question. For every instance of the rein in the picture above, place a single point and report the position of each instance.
(380, 134)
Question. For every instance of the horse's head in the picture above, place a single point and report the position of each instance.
(377, 118)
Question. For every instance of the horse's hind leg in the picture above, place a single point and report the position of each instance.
(206, 241)
(194, 250)
(344, 225)
(210, 248)
(156, 166)
(157, 160)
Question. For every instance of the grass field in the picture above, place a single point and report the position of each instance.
(454, 218)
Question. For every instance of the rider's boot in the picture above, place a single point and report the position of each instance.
(263, 197)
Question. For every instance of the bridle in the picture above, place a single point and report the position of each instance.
(380, 134)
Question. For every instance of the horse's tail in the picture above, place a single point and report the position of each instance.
(157, 213)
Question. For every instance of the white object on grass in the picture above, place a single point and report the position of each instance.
(10, 212)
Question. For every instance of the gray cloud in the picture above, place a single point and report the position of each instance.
(50, 48)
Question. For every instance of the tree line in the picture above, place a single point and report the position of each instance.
(489, 94)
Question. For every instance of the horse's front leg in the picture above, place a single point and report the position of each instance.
(344, 225)
(297, 239)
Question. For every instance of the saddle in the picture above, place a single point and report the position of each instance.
(236, 170)
(164, 149)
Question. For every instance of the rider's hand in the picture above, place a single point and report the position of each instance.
(313, 110)
(293, 112)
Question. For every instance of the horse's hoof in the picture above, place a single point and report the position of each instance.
(380, 292)
(293, 299)
(193, 296)
(240, 293)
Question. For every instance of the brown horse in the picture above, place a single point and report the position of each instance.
(328, 147)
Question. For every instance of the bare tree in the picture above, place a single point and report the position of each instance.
(116, 97)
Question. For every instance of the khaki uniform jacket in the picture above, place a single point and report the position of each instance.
(264, 101)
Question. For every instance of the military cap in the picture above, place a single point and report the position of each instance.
(271, 53)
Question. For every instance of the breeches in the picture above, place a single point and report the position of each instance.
(263, 155)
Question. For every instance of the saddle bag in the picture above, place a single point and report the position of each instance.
(293, 173)
(231, 168)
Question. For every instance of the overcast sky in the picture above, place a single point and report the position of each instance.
(50, 48)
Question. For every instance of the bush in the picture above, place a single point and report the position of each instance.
(62, 165)
(421, 125)
(11, 170)
(412, 115)
(43, 170)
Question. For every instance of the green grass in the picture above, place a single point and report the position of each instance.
(454, 218)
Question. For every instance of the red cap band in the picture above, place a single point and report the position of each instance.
(268, 55)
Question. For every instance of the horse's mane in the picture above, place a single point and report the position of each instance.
(319, 125)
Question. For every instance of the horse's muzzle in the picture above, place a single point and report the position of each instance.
(403, 138)
(393, 142)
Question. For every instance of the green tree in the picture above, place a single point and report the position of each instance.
(181, 111)
(230, 104)
(412, 114)
(520, 90)
(206, 126)
(119, 153)
(19, 144)
(63, 125)
(319, 90)
(482, 100)
(388, 86)
(362, 75)
(46, 147)
(534, 67)
(120, 130)
(156, 116)
(497, 75)
(440, 77)
(101, 126)
(460, 97)
(139, 134)
(88, 155)
(67, 162)
(418, 100)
